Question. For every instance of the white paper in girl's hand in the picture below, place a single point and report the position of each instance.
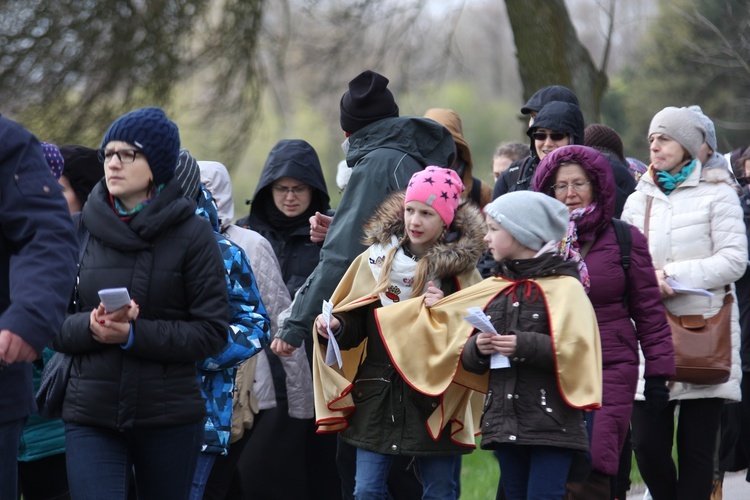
(482, 322)
(333, 353)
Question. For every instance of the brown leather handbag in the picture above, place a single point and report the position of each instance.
(702, 347)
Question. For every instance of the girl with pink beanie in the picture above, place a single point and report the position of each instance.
(424, 245)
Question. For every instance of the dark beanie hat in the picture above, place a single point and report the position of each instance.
(367, 100)
(82, 168)
(604, 137)
(152, 132)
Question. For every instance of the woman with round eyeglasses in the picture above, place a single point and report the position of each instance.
(696, 234)
(627, 303)
(290, 190)
(133, 402)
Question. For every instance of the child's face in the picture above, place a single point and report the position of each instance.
(423, 226)
(502, 244)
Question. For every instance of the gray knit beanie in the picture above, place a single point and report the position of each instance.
(531, 218)
(707, 124)
(682, 125)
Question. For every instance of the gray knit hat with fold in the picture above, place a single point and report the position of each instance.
(682, 125)
(707, 124)
(532, 218)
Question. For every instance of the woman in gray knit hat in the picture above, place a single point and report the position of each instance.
(696, 237)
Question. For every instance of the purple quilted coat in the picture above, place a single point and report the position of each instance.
(619, 335)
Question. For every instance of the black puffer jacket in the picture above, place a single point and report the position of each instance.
(168, 259)
(524, 405)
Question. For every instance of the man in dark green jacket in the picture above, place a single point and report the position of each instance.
(384, 150)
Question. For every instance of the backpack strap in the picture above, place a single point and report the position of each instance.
(625, 240)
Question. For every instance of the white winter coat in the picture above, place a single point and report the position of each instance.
(697, 236)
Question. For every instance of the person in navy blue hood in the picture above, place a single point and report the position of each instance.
(290, 190)
(37, 258)
(566, 121)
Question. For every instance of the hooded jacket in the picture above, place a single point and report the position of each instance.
(559, 116)
(168, 259)
(380, 394)
(383, 157)
(697, 236)
(247, 336)
(289, 236)
(628, 307)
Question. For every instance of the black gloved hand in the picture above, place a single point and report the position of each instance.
(656, 393)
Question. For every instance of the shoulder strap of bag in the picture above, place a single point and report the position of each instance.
(625, 240)
(82, 235)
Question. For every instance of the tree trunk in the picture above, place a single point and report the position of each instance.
(549, 53)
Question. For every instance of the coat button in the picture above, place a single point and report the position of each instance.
(359, 394)
(515, 397)
(394, 447)
(515, 304)
(515, 359)
(486, 424)
(522, 360)
(45, 189)
(535, 315)
(434, 405)
(512, 438)
(510, 396)
(549, 410)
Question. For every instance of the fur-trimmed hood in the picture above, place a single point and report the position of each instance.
(459, 249)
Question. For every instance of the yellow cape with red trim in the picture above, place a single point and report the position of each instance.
(425, 347)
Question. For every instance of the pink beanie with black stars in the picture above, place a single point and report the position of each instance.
(438, 188)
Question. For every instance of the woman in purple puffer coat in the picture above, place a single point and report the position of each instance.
(628, 304)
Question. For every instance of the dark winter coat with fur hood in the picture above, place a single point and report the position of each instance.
(390, 417)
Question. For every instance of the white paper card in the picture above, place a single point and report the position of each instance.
(114, 298)
(333, 353)
(680, 288)
(481, 322)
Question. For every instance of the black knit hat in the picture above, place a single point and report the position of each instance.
(82, 168)
(152, 132)
(604, 138)
(367, 100)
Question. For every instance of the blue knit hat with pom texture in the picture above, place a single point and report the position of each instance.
(152, 132)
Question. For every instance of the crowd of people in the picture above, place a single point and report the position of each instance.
(357, 353)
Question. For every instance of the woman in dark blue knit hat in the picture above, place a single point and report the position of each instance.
(133, 401)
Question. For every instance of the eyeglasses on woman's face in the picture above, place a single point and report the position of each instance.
(555, 136)
(294, 190)
(124, 155)
(578, 187)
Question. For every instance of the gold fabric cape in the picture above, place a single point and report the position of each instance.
(429, 358)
